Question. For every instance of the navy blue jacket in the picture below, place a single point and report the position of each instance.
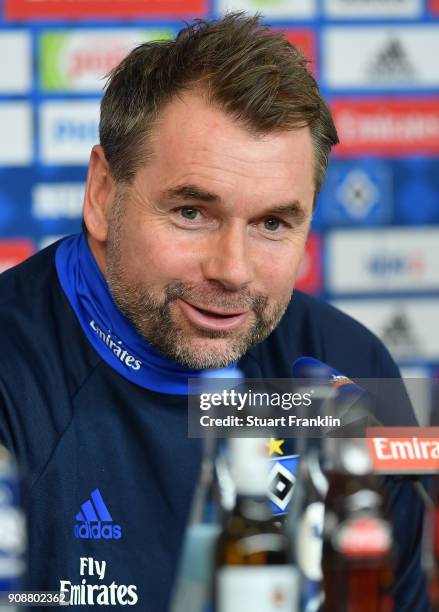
(77, 426)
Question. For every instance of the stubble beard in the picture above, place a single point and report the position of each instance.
(152, 315)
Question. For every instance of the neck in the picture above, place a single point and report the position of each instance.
(99, 252)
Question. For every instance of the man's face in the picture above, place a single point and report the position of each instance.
(204, 246)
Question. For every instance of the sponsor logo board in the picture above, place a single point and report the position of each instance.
(310, 277)
(16, 141)
(14, 251)
(418, 381)
(79, 60)
(48, 240)
(279, 9)
(408, 327)
(356, 193)
(68, 131)
(383, 57)
(389, 127)
(404, 450)
(16, 62)
(358, 9)
(58, 9)
(57, 200)
(383, 260)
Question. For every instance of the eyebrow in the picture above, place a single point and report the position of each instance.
(192, 193)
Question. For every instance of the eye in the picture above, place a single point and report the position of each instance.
(272, 224)
(189, 213)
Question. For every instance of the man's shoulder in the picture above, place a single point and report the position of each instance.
(330, 321)
(30, 300)
(27, 283)
(45, 359)
(312, 327)
(38, 327)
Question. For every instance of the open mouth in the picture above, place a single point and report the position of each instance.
(212, 319)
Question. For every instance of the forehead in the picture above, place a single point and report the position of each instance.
(195, 141)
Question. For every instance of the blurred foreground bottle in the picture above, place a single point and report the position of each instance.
(253, 572)
(193, 588)
(213, 496)
(12, 530)
(432, 541)
(431, 547)
(305, 528)
(357, 536)
(431, 528)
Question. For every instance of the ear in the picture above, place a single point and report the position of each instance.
(99, 194)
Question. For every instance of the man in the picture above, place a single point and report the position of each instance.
(197, 209)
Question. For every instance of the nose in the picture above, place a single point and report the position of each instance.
(227, 258)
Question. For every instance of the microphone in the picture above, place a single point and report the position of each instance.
(349, 402)
(353, 404)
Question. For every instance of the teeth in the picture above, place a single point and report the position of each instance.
(214, 314)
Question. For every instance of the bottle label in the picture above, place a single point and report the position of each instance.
(272, 588)
(363, 536)
(309, 541)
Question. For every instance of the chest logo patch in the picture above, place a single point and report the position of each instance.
(94, 521)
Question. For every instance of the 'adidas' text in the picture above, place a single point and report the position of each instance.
(98, 531)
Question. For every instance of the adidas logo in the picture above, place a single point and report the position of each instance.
(399, 334)
(392, 64)
(95, 521)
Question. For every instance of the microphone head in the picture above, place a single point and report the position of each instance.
(311, 368)
(351, 400)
